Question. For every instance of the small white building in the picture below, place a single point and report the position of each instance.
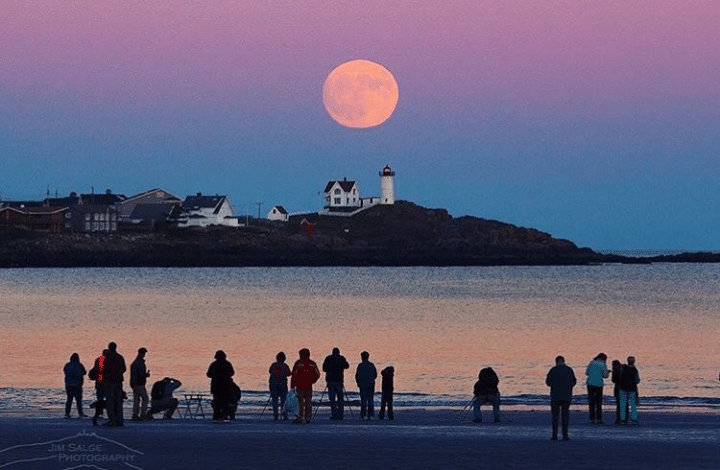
(278, 213)
(342, 194)
(203, 211)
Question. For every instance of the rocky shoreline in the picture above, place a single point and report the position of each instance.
(403, 234)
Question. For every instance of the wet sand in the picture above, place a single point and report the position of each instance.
(415, 439)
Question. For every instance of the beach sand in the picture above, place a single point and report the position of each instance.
(417, 438)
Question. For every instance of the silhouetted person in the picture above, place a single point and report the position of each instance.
(629, 380)
(96, 374)
(561, 380)
(279, 372)
(388, 388)
(334, 367)
(616, 371)
(596, 373)
(304, 374)
(114, 368)
(162, 399)
(365, 376)
(486, 391)
(220, 373)
(234, 402)
(74, 373)
(138, 380)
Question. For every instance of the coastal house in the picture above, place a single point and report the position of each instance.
(278, 213)
(91, 218)
(153, 196)
(203, 211)
(33, 218)
(342, 195)
(342, 198)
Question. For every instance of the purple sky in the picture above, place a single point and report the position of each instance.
(595, 121)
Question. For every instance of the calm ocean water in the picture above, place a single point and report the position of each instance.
(437, 326)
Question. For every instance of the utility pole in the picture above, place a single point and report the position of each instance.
(259, 205)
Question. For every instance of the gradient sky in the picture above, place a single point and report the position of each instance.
(595, 121)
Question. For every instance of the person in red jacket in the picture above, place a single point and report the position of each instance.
(304, 374)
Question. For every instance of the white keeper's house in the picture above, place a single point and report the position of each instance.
(344, 198)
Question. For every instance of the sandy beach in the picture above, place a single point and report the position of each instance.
(417, 438)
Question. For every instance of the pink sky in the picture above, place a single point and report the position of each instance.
(490, 85)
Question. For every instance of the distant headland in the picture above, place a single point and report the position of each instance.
(402, 234)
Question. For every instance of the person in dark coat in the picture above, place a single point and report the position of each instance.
(74, 373)
(561, 380)
(334, 367)
(365, 376)
(220, 373)
(629, 380)
(304, 374)
(615, 377)
(388, 388)
(138, 379)
(486, 391)
(113, 370)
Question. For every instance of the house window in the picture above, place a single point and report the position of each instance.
(114, 226)
(95, 226)
(87, 217)
(96, 216)
(87, 226)
(68, 215)
(337, 190)
(113, 217)
(354, 191)
(338, 200)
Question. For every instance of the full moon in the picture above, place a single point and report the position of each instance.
(360, 94)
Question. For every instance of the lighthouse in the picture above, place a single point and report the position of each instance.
(387, 189)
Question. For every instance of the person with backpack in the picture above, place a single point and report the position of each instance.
(486, 391)
(629, 380)
(161, 398)
(304, 374)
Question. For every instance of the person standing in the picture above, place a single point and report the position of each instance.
(365, 376)
(279, 372)
(220, 373)
(74, 373)
(113, 371)
(388, 388)
(596, 372)
(615, 377)
(334, 367)
(304, 374)
(629, 380)
(138, 380)
(486, 391)
(561, 380)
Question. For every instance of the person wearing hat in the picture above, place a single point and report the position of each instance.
(138, 380)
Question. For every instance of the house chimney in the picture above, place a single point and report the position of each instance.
(199, 194)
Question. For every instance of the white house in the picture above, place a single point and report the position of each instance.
(278, 213)
(342, 194)
(203, 211)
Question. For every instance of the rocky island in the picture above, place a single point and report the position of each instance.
(403, 234)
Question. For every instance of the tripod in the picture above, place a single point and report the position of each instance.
(459, 416)
(347, 401)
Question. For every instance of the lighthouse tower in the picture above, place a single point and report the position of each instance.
(387, 186)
